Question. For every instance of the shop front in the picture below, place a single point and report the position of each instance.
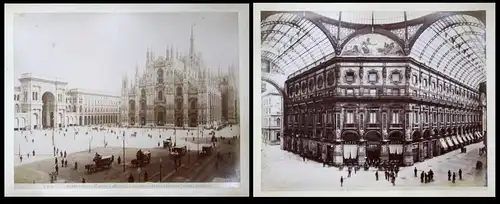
(395, 146)
(350, 149)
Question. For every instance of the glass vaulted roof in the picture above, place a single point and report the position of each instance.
(455, 46)
(378, 17)
(292, 42)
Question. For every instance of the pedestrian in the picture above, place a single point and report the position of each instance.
(355, 170)
(422, 175)
(386, 175)
(65, 154)
(376, 175)
(21, 158)
(131, 179)
(415, 171)
(28, 155)
(454, 177)
(62, 162)
(76, 165)
(426, 178)
(393, 180)
(33, 152)
(57, 169)
(396, 171)
(56, 160)
(460, 174)
(341, 181)
(449, 175)
(83, 180)
(66, 163)
(61, 154)
(146, 176)
(119, 159)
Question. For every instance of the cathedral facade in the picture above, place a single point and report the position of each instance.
(174, 90)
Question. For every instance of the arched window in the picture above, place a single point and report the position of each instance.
(17, 108)
(143, 93)
(178, 105)
(193, 104)
(179, 91)
(278, 121)
(159, 76)
(160, 95)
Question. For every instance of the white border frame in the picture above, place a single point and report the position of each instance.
(421, 192)
(191, 189)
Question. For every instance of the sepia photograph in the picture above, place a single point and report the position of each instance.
(373, 100)
(126, 97)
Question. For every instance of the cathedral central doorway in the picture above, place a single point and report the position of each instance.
(178, 122)
(48, 109)
(192, 120)
(160, 115)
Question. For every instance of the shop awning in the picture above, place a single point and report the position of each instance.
(443, 143)
(468, 135)
(454, 138)
(449, 142)
(459, 138)
(463, 137)
(395, 149)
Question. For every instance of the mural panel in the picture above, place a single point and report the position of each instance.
(372, 45)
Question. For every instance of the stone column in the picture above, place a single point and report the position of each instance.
(408, 154)
(421, 150)
(384, 152)
(338, 154)
(361, 153)
(431, 148)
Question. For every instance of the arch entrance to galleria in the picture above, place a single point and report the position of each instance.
(48, 109)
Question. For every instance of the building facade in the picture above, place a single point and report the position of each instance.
(175, 89)
(353, 109)
(271, 117)
(44, 103)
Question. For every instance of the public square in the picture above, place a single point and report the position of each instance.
(285, 171)
(76, 142)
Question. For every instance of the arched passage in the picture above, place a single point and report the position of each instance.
(48, 108)
(276, 80)
(373, 145)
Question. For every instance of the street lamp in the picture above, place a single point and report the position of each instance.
(161, 168)
(123, 151)
(53, 132)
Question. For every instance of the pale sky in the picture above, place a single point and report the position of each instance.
(93, 51)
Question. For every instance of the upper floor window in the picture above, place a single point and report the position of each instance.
(415, 79)
(372, 77)
(350, 117)
(373, 117)
(395, 117)
(350, 91)
(425, 82)
(396, 77)
(349, 76)
(373, 92)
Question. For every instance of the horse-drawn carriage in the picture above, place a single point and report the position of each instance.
(206, 150)
(178, 151)
(167, 143)
(100, 163)
(141, 158)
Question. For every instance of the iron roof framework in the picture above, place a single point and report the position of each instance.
(452, 43)
(292, 42)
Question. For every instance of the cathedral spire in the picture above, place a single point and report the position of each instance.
(171, 51)
(191, 43)
(147, 54)
(166, 52)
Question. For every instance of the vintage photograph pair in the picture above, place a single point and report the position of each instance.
(329, 99)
